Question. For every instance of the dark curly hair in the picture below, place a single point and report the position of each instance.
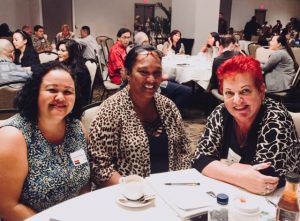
(27, 99)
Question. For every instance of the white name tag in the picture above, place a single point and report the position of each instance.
(78, 157)
(232, 157)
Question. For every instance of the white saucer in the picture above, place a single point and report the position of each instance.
(133, 204)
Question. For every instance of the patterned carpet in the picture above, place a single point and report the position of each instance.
(194, 120)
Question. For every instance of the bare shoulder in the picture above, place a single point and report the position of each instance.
(12, 142)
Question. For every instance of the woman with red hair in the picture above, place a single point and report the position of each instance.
(249, 141)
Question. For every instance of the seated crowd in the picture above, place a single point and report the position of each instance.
(249, 140)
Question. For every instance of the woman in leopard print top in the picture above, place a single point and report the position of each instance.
(249, 141)
(138, 131)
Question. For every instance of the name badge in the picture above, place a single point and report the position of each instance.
(232, 157)
(78, 157)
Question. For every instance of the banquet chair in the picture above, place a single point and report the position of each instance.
(92, 67)
(101, 40)
(8, 93)
(109, 88)
(252, 47)
(296, 52)
(109, 42)
(262, 54)
(283, 96)
(296, 119)
(47, 56)
(89, 113)
(188, 45)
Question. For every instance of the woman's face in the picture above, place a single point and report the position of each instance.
(274, 45)
(242, 98)
(176, 37)
(56, 95)
(63, 53)
(210, 40)
(18, 41)
(146, 75)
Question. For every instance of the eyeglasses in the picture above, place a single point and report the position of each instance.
(155, 53)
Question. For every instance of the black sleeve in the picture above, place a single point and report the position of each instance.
(202, 161)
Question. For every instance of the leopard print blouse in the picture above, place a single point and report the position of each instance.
(118, 141)
(277, 140)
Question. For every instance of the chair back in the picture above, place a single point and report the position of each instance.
(92, 67)
(89, 113)
(296, 119)
(8, 93)
(104, 41)
(109, 43)
(296, 78)
(252, 47)
(262, 54)
(296, 52)
(188, 45)
(47, 56)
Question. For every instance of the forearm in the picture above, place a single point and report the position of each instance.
(220, 171)
(18, 212)
(114, 179)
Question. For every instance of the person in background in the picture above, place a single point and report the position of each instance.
(116, 57)
(39, 148)
(64, 34)
(138, 131)
(222, 27)
(89, 42)
(249, 141)
(280, 68)
(40, 43)
(173, 45)
(9, 71)
(212, 46)
(70, 54)
(228, 51)
(24, 53)
(27, 29)
(5, 31)
(277, 28)
(251, 28)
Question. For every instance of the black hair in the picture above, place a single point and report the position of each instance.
(283, 41)
(75, 53)
(37, 27)
(226, 40)
(216, 36)
(87, 29)
(25, 36)
(27, 99)
(177, 47)
(134, 52)
(122, 31)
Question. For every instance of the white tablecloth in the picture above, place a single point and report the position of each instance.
(102, 205)
(184, 68)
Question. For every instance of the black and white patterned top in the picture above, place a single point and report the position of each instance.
(52, 177)
(272, 138)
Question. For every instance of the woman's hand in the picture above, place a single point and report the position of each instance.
(252, 180)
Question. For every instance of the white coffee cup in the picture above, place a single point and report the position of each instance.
(244, 209)
(132, 187)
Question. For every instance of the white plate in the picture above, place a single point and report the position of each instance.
(132, 204)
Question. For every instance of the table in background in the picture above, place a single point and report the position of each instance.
(185, 68)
